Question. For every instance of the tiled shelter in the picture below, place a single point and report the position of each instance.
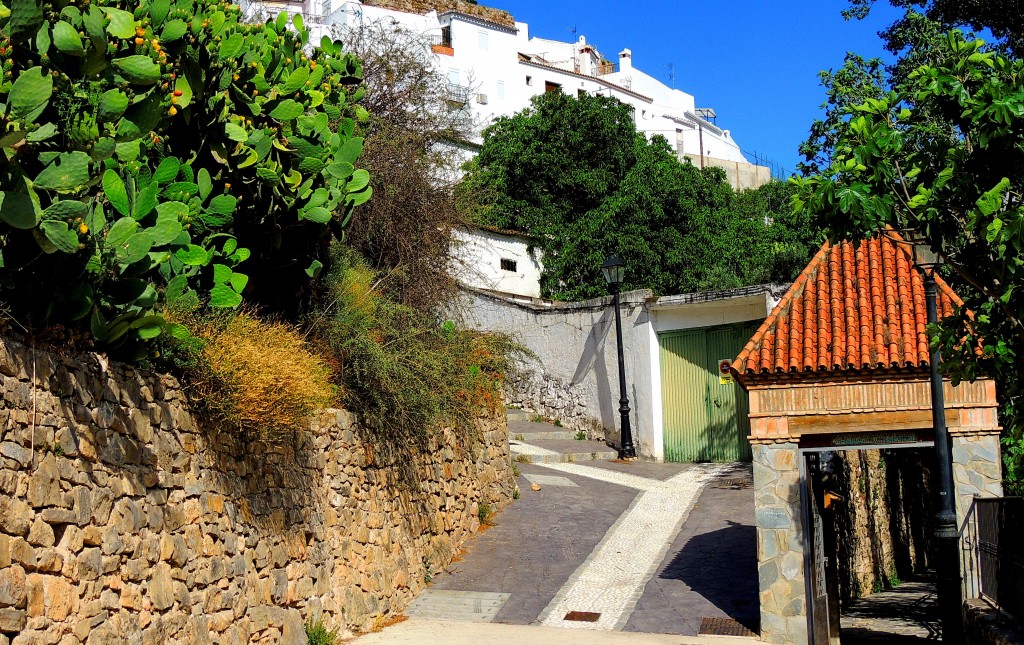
(842, 361)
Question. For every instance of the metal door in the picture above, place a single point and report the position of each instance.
(729, 424)
(684, 396)
(704, 417)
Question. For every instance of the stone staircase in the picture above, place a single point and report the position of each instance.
(539, 442)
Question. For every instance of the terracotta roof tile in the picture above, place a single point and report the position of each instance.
(857, 305)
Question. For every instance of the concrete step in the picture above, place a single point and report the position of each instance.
(556, 451)
(519, 415)
(530, 431)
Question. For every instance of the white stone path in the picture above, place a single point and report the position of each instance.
(613, 577)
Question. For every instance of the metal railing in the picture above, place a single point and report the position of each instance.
(441, 40)
(993, 560)
(458, 93)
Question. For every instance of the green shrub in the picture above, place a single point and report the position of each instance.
(151, 146)
(318, 634)
(404, 371)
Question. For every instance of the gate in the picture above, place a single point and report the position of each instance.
(704, 412)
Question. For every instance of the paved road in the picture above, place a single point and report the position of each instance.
(639, 547)
(438, 632)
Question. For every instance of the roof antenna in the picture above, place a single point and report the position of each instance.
(575, 58)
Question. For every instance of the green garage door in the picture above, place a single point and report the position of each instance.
(704, 419)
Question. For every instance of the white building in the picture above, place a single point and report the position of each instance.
(495, 260)
(494, 64)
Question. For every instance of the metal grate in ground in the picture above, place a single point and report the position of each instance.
(721, 626)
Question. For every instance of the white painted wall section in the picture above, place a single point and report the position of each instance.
(495, 261)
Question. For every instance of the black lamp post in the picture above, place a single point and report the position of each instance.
(614, 271)
(946, 538)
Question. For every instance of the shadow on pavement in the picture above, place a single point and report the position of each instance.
(721, 566)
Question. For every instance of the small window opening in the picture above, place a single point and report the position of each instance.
(581, 93)
(508, 265)
(529, 80)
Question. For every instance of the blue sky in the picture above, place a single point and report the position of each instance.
(755, 62)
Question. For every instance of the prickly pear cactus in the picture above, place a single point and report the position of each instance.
(148, 148)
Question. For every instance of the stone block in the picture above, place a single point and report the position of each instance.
(50, 596)
(90, 564)
(12, 620)
(40, 533)
(12, 587)
(16, 452)
(15, 516)
(161, 587)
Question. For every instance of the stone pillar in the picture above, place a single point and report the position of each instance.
(780, 552)
(977, 469)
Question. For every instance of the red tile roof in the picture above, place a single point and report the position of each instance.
(857, 305)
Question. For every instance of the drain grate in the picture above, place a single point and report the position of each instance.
(719, 626)
(741, 483)
(583, 616)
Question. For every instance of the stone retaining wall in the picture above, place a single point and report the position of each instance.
(124, 519)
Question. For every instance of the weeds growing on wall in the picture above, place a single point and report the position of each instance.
(252, 375)
(318, 634)
(404, 371)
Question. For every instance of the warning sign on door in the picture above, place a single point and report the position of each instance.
(724, 371)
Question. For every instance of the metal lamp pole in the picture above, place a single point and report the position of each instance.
(946, 538)
(614, 271)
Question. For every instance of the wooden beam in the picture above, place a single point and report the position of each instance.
(867, 422)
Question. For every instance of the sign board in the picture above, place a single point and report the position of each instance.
(724, 372)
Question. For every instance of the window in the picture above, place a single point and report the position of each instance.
(453, 76)
(581, 93)
(446, 36)
(552, 87)
(325, 7)
(508, 265)
(482, 40)
(529, 80)
(501, 90)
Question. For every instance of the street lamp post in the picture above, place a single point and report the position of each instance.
(946, 538)
(614, 272)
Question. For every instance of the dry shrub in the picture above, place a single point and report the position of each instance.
(405, 372)
(257, 376)
(412, 152)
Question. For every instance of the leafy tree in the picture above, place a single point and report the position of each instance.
(961, 185)
(576, 175)
(150, 147)
(1004, 18)
(854, 83)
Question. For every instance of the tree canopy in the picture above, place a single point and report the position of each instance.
(1003, 18)
(942, 155)
(575, 174)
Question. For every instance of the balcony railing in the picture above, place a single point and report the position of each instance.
(458, 93)
(993, 558)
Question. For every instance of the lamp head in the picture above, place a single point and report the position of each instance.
(614, 271)
(926, 258)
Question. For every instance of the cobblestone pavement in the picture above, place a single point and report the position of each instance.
(610, 538)
(712, 565)
(904, 615)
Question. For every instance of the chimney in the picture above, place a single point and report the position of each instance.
(625, 60)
